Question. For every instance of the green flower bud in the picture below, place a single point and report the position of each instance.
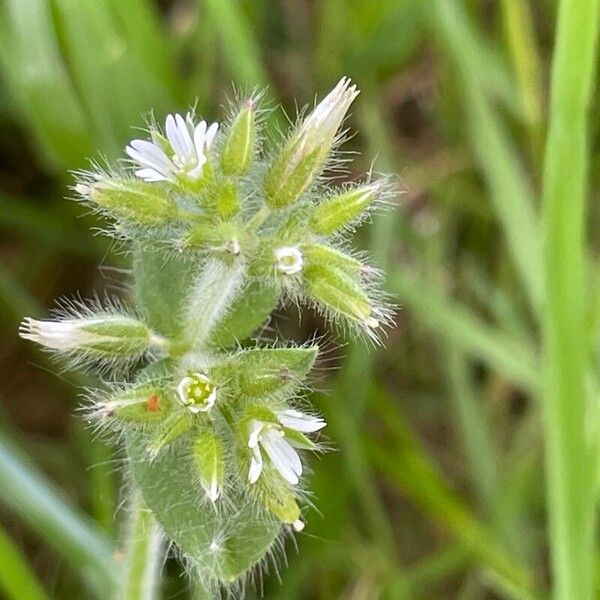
(209, 458)
(339, 292)
(214, 237)
(318, 254)
(142, 203)
(103, 336)
(337, 212)
(144, 404)
(266, 371)
(174, 427)
(303, 155)
(238, 152)
(227, 201)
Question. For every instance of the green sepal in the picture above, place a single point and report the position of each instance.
(226, 200)
(340, 210)
(146, 204)
(266, 371)
(220, 236)
(299, 440)
(209, 459)
(238, 151)
(176, 425)
(223, 541)
(144, 404)
(338, 292)
(319, 254)
(291, 173)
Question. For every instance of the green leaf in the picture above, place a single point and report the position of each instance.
(224, 540)
(247, 314)
(162, 284)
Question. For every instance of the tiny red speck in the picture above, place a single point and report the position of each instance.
(153, 404)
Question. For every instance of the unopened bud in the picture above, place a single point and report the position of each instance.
(137, 201)
(340, 293)
(103, 336)
(319, 254)
(173, 429)
(238, 152)
(302, 157)
(210, 463)
(337, 212)
(146, 403)
(214, 237)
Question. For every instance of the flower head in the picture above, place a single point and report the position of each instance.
(271, 437)
(197, 392)
(182, 155)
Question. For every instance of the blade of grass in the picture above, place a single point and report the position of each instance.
(17, 579)
(569, 454)
(238, 42)
(25, 491)
(497, 155)
(33, 68)
(462, 328)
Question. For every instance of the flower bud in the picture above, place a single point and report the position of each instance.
(238, 152)
(214, 237)
(103, 336)
(210, 463)
(174, 427)
(340, 293)
(227, 201)
(319, 254)
(337, 212)
(269, 370)
(143, 404)
(136, 201)
(305, 152)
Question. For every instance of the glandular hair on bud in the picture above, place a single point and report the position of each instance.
(339, 211)
(238, 152)
(145, 204)
(339, 293)
(103, 336)
(319, 254)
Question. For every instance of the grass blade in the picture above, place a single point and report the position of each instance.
(569, 455)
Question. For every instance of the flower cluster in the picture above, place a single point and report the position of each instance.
(221, 231)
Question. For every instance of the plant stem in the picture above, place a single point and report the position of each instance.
(569, 457)
(144, 553)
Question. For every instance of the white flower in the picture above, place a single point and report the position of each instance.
(271, 438)
(289, 260)
(321, 125)
(197, 392)
(189, 144)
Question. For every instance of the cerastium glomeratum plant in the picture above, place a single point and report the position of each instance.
(221, 231)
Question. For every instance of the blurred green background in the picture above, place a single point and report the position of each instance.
(435, 487)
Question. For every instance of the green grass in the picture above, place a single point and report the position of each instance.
(465, 462)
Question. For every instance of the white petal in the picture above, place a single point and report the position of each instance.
(256, 465)
(182, 389)
(174, 136)
(184, 132)
(151, 175)
(284, 458)
(149, 155)
(256, 428)
(294, 419)
(210, 134)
